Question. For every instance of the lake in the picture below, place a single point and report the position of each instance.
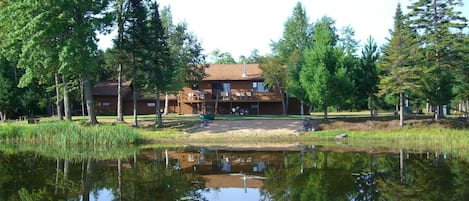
(295, 172)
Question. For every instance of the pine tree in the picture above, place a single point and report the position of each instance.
(160, 70)
(134, 41)
(368, 84)
(438, 24)
(398, 67)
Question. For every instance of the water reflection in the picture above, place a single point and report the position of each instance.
(205, 173)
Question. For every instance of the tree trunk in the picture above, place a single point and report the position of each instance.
(325, 114)
(49, 104)
(82, 91)
(89, 98)
(401, 116)
(466, 110)
(134, 90)
(166, 102)
(460, 106)
(302, 108)
(119, 179)
(437, 112)
(120, 37)
(287, 97)
(282, 96)
(428, 107)
(67, 104)
(159, 119)
(57, 94)
(372, 113)
(120, 99)
(57, 174)
(2, 118)
(402, 164)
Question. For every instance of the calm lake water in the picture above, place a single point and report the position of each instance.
(223, 173)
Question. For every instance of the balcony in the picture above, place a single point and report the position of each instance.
(232, 96)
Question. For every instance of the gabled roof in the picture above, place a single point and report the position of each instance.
(233, 72)
(109, 88)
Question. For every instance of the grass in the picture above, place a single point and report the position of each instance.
(68, 133)
(449, 134)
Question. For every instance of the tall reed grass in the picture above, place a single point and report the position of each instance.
(71, 152)
(69, 133)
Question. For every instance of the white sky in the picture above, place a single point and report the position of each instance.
(239, 26)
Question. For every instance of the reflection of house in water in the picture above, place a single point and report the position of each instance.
(226, 168)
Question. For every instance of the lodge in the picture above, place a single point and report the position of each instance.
(236, 89)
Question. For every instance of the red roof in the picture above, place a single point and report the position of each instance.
(233, 72)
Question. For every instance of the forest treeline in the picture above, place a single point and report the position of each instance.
(48, 53)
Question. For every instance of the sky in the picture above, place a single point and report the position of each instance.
(240, 26)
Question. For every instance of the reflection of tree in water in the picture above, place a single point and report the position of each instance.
(154, 180)
(308, 175)
(362, 176)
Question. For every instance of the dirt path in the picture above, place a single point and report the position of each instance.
(250, 127)
(242, 130)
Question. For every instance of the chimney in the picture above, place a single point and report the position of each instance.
(244, 70)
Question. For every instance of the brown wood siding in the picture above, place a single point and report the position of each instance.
(101, 108)
(294, 106)
(142, 107)
(241, 95)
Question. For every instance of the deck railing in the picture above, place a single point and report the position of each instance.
(240, 96)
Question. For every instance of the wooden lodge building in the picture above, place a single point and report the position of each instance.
(228, 89)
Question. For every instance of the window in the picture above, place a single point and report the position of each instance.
(151, 104)
(259, 87)
(226, 87)
(105, 104)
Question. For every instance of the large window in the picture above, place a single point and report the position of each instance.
(226, 87)
(259, 87)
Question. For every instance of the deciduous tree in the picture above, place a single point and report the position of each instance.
(291, 47)
(273, 72)
(323, 75)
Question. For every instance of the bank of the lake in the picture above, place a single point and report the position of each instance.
(445, 134)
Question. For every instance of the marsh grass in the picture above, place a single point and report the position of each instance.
(72, 152)
(69, 133)
(438, 139)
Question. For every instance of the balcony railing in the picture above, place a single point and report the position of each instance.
(239, 96)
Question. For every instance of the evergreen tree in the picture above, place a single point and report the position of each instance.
(121, 7)
(368, 84)
(438, 24)
(159, 69)
(186, 52)
(134, 42)
(399, 73)
(462, 74)
(6, 89)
